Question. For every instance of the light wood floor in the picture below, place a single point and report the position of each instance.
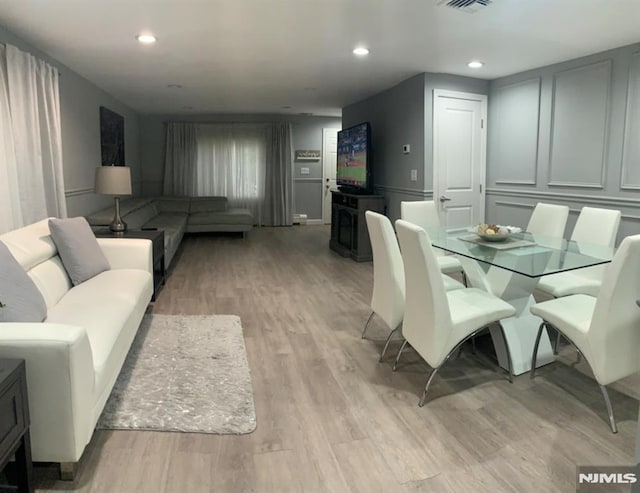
(330, 417)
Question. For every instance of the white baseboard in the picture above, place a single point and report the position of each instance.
(314, 222)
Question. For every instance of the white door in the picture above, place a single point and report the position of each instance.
(329, 164)
(459, 154)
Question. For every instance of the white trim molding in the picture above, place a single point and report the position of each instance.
(566, 197)
(78, 191)
(568, 184)
(572, 210)
(515, 204)
(515, 182)
(608, 63)
(536, 159)
(425, 194)
(633, 94)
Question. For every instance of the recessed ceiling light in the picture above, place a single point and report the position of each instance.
(361, 51)
(146, 39)
(475, 64)
(174, 86)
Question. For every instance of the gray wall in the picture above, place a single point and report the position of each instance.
(404, 115)
(307, 135)
(567, 134)
(397, 117)
(80, 102)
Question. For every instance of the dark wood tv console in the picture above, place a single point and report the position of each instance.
(349, 235)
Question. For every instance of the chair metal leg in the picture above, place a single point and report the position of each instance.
(557, 344)
(386, 344)
(603, 389)
(366, 325)
(444, 361)
(465, 281)
(395, 363)
(507, 350)
(534, 356)
(459, 354)
(607, 402)
(426, 387)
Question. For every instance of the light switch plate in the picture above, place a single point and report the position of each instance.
(414, 175)
(304, 171)
(406, 148)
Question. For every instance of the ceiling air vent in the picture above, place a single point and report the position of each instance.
(465, 5)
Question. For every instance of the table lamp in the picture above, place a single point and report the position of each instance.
(116, 181)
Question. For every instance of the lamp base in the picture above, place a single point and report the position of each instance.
(118, 226)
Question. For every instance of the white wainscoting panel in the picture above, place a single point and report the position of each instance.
(579, 133)
(630, 176)
(514, 124)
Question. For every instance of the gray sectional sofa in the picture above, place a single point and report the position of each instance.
(177, 216)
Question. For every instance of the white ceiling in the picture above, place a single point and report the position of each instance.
(255, 56)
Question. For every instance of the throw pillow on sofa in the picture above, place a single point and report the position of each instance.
(78, 248)
(21, 298)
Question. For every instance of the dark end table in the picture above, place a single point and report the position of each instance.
(14, 424)
(157, 239)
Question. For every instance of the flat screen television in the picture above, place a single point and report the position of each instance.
(354, 159)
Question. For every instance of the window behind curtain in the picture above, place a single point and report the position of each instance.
(231, 162)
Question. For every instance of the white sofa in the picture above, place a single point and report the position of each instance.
(74, 357)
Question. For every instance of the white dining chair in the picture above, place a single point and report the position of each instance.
(548, 220)
(424, 213)
(387, 300)
(437, 322)
(594, 226)
(606, 329)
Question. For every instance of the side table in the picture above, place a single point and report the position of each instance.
(14, 422)
(157, 239)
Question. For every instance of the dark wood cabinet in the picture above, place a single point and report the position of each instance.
(157, 239)
(14, 425)
(349, 235)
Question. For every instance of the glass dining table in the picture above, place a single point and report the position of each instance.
(511, 270)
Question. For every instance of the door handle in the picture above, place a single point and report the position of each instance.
(444, 198)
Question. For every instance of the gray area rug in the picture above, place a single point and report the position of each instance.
(184, 373)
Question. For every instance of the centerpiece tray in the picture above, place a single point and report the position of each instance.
(505, 244)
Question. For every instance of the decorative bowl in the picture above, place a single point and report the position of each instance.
(494, 232)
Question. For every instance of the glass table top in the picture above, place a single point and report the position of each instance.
(531, 255)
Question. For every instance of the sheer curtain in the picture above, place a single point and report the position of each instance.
(249, 163)
(232, 162)
(31, 175)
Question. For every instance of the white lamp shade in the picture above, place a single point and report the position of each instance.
(113, 180)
